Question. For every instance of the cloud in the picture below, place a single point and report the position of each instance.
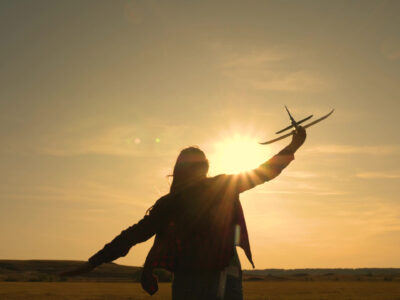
(289, 81)
(264, 79)
(275, 192)
(81, 191)
(378, 175)
(266, 69)
(299, 192)
(301, 187)
(300, 174)
(348, 149)
(254, 59)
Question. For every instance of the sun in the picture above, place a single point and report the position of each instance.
(236, 154)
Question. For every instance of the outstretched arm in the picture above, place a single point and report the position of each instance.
(121, 244)
(271, 168)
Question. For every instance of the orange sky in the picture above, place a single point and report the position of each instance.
(98, 97)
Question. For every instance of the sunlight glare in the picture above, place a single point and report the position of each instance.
(237, 154)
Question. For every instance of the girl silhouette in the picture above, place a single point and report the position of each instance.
(197, 227)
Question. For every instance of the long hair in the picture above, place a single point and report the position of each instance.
(191, 165)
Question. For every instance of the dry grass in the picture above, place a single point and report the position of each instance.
(252, 290)
(322, 290)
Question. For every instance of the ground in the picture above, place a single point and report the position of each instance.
(253, 290)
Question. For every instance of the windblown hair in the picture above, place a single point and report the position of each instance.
(191, 165)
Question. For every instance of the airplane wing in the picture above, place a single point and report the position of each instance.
(305, 126)
(291, 126)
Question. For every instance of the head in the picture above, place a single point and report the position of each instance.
(191, 165)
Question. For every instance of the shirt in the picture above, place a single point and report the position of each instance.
(197, 227)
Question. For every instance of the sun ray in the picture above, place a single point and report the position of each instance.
(236, 154)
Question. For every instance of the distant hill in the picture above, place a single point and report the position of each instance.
(48, 270)
(359, 274)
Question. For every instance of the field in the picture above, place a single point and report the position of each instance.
(253, 290)
(39, 279)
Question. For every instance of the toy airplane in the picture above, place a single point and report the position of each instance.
(295, 124)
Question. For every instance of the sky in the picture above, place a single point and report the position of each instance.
(97, 98)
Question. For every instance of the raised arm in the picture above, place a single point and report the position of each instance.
(271, 168)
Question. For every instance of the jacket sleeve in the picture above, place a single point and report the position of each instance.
(267, 171)
(129, 237)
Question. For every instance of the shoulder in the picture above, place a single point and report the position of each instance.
(219, 179)
(223, 180)
(161, 204)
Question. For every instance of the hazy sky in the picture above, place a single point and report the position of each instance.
(97, 98)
